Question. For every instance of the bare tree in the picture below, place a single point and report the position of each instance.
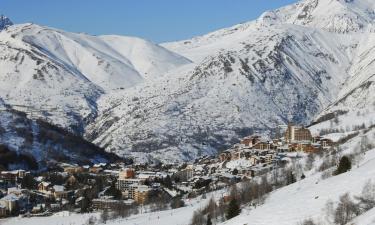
(309, 162)
(198, 218)
(346, 210)
(367, 197)
(105, 216)
(329, 211)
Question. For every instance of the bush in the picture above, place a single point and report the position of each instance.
(233, 209)
(344, 165)
(198, 218)
(177, 203)
(308, 222)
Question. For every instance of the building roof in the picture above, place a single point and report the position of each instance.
(10, 198)
(58, 188)
(45, 184)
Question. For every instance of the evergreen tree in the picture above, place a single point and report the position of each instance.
(209, 222)
(233, 209)
(290, 179)
(344, 165)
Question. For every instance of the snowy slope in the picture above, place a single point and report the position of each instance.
(367, 218)
(133, 97)
(30, 78)
(355, 104)
(248, 77)
(44, 69)
(150, 60)
(339, 16)
(59, 76)
(39, 142)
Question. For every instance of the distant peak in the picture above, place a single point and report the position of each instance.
(5, 22)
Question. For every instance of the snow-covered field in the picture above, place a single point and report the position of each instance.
(180, 216)
(62, 218)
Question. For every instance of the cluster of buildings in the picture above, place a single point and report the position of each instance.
(263, 151)
(253, 156)
(11, 198)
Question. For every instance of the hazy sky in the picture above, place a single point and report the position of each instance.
(155, 20)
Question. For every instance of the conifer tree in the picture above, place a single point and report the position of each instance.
(344, 165)
(233, 209)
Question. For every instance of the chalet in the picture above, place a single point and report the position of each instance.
(250, 141)
(74, 169)
(16, 191)
(72, 181)
(235, 155)
(12, 176)
(225, 156)
(254, 160)
(264, 145)
(95, 169)
(59, 192)
(44, 187)
(323, 142)
(10, 202)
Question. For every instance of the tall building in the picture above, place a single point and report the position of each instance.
(127, 186)
(296, 134)
(127, 174)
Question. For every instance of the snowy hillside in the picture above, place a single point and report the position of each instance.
(36, 142)
(355, 105)
(63, 74)
(248, 77)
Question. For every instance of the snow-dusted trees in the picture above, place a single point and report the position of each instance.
(346, 210)
(367, 197)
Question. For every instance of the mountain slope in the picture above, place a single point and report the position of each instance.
(355, 104)
(63, 74)
(264, 76)
(290, 64)
(37, 143)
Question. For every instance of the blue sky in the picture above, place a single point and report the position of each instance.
(155, 20)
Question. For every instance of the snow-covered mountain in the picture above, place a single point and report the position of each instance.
(5, 22)
(136, 98)
(292, 61)
(61, 75)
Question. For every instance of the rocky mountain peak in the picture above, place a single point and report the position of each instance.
(5, 22)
